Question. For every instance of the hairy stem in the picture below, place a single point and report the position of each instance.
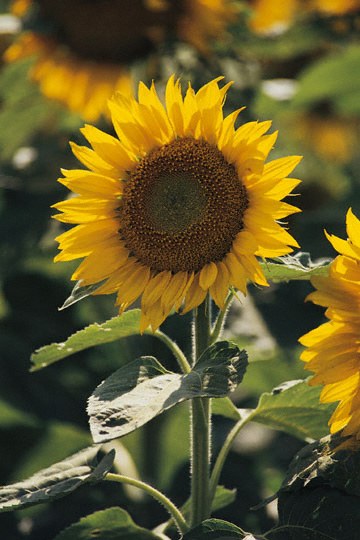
(200, 425)
(175, 349)
(160, 497)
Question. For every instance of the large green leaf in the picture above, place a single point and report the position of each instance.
(142, 389)
(56, 481)
(214, 529)
(109, 524)
(297, 267)
(320, 497)
(127, 324)
(294, 408)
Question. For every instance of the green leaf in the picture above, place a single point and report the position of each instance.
(56, 481)
(11, 416)
(127, 324)
(215, 529)
(294, 408)
(297, 267)
(225, 407)
(334, 78)
(142, 389)
(109, 524)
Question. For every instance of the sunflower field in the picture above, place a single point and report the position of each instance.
(180, 269)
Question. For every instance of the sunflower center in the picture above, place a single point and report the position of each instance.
(182, 206)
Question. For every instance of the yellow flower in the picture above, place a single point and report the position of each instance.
(333, 349)
(178, 204)
(83, 50)
(331, 136)
(336, 7)
(272, 17)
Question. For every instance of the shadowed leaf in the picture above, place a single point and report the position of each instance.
(142, 389)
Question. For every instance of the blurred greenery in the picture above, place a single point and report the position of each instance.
(306, 78)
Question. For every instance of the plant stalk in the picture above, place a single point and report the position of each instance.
(200, 425)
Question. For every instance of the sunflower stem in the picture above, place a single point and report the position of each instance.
(157, 495)
(200, 425)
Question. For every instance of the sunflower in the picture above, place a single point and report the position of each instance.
(178, 204)
(333, 349)
(84, 49)
(269, 17)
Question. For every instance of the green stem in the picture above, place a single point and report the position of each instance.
(200, 425)
(175, 349)
(220, 460)
(160, 497)
(219, 323)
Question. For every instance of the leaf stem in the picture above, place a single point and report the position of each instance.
(220, 320)
(175, 349)
(220, 460)
(200, 425)
(160, 497)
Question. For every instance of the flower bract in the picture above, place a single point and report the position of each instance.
(332, 349)
(178, 205)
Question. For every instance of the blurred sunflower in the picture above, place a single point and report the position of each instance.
(332, 350)
(328, 134)
(178, 205)
(268, 17)
(83, 49)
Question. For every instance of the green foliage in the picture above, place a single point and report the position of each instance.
(11, 416)
(143, 389)
(298, 267)
(334, 79)
(109, 524)
(23, 111)
(294, 408)
(127, 324)
(215, 529)
(56, 481)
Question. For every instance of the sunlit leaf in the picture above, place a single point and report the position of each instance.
(297, 267)
(56, 481)
(127, 324)
(294, 408)
(142, 389)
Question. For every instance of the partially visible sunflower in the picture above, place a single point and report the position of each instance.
(333, 349)
(179, 204)
(269, 16)
(83, 49)
(329, 135)
(272, 17)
